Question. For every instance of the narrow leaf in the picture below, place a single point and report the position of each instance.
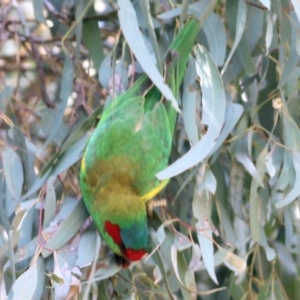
(239, 30)
(213, 98)
(13, 172)
(134, 38)
(67, 229)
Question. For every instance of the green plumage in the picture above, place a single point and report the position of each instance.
(121, 159)
(131, 143)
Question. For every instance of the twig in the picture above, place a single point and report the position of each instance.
(256, 5)
(54, 12)
(36, 56)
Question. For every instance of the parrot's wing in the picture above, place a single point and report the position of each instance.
(155, 140)
(114, 131)
(133, 142)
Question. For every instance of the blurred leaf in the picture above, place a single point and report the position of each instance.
(294, 192)
(190, 101)
(254, 26)
(92, 38)
(65, 92)
(26, 151)
(215, 34)
(69, 157)
(232, 115)
(63, 265)
(296, 5)
(50, 202)
(213, 98)
(55, 278)
(237, 178)
(38, 183)
(107, 272)
(266, 3)
(292, 141)
(255, 208)
(135, 40)
(245, 56)
(240, 151)
(294, 57)
(86, 250)
(67, 229)
(237, 16)
(269, 164)
(25, 232)
(79, 11)
(30, 285)
(145, 8)
(105, 70)
(13, 172)
(39, 11)
(5, 95)
(202, 211)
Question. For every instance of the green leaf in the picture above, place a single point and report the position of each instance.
(69, 157)
(65, 92)
(296, 5)
(13, 172)
(30, 285)
(237, 178)
(134, 38)
(50, 202)
(254, 26)
(213, 98)
(190, 101)
(68, 228)
(269, 31)
(241, 155)
(26, 151)
(202, 211)
(294, 57)
(86, 249)
(38, 7)
(215, 34)
(111, 270)
(232, 115)
(145, 8)
(5, 95)
(255, 207)
(238, 28)
(245, 56)
(266, 3)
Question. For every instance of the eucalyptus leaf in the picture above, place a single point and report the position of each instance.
(38, 7)
(66, 89)
(215, 34)
(266, 3)
(240, 20)
(5, 95)
(202, 211)
(67, 229)
(213, 98)
(30, 284)
(135, 40)
(296, 5)
(13, 172)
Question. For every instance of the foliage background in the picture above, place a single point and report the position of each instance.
(231, 226)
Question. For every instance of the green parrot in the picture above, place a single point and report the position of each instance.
(130, 145)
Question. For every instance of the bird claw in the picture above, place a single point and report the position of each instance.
(155, 203)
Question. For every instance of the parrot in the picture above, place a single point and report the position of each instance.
(130, 145)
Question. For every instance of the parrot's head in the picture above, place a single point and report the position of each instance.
(125, 227)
